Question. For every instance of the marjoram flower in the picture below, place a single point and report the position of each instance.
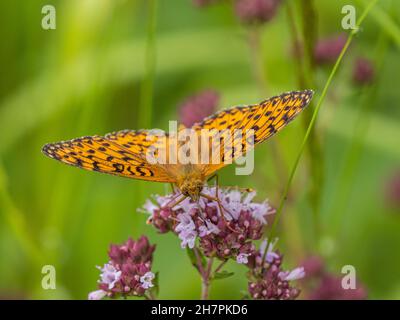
(128, 273)
(363, 72)
(197, 107)
(328, 50)
(320, 284)
(268, 280)
(256, 11)
(224, 237)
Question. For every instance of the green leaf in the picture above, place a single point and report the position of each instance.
(193, 258)
(222, 275)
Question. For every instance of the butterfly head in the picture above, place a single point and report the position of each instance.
(191, 186)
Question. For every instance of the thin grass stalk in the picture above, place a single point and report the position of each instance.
(312, 123)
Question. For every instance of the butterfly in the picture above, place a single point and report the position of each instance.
(123, 153)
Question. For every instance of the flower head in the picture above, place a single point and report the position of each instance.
(324, 285)
(330, 288)
(222, 235)
(363, 72)
(128, 273)
(197, 107)
(109, 275)
(147, 279)
(327, 50)
(256, 11)
(269, 280)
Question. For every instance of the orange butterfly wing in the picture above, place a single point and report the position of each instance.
(121, 153)
(266, 119)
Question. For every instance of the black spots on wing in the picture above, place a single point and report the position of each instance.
(110, 158)
(272, 129)
(95, 165)
(285, 118)
(268, 113)
(145, 172)
(88, 141)
(251, 115)
(78, 162)
(118, 167)
(256, 117)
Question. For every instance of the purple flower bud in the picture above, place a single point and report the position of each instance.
(328, 50)
(197, 107)
(256, 11)
(363, 72)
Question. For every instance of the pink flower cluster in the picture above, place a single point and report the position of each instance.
(268, 281)
(224, 237)
(128, 273)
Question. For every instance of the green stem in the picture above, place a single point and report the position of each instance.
(313, 120)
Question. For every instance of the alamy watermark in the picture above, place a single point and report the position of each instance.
(49, 277)
(49, 18)
(349, 19)
(349, 281)
(202, 147)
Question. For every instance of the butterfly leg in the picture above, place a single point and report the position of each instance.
(221, 209)
(171, 206)
(173, 187)
(215, 176)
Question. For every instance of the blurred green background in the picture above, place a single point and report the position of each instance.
(90, 76)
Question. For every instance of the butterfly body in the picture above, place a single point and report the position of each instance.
(191, 181)
(123, 153)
